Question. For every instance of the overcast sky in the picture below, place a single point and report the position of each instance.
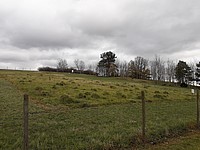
(36, 33)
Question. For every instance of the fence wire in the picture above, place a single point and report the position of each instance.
(103, 127)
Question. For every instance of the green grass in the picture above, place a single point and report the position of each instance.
(70, 111)
(74, 90)
(189, 141)
(10, 117)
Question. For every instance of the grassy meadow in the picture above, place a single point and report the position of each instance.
(73, 111)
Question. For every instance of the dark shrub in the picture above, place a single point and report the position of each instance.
(183, 85)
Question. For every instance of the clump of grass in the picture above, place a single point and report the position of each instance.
(85, 105)
(66, 99)
(132, 85)
(93, 89)
(81, 95)
(97, 82)
(112, 87)
(157, 92)
(125, 89)
(62, 83)
(138, 96)
(137, 88)
(165, 92)
(95, 95)
(159, 96)
(54, 87)
(87, 93)
(39, 88)
(120, 95)
(45, 93)
(106, 93)
(146, 86)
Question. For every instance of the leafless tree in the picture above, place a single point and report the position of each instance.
(170, 70)
(62, 65)
(81, 65)
(158, 69)
(77, 62)
(141, 65)
(123, 68)
(139, 68)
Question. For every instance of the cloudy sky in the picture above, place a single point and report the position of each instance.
(36, 33)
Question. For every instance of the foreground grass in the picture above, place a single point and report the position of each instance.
(189, 141)
(109, 124)
(10, 117)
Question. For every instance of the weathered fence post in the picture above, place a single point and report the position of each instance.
(143, 117)
(198, 125)
(25, 111)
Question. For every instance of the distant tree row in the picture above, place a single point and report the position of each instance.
(139, 68)
(62, 66)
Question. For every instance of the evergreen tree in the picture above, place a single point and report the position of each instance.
(106, 65)
(183, 72)
(198, 70)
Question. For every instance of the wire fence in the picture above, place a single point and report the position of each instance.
(103, 127)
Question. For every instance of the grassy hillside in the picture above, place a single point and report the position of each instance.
(74, 90)
(70, 111)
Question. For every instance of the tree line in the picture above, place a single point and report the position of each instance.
(139, 68)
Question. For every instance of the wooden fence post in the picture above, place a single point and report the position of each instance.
(25, 111)
(198, 125)
(143, 116)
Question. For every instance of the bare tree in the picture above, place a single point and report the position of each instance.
(170, 70)
(123, 68)
(158, 69)
(62, 65)
(81, 65)
(141, 65)
(139, 68)
(131, 69)
(77, 62)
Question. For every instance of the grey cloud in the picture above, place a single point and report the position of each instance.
(87, 28)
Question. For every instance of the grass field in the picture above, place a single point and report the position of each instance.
(71, 111)
(189, 141)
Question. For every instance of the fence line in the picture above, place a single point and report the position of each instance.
(25, 111)
(26, 118)
(143, 116)
(198, 124)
